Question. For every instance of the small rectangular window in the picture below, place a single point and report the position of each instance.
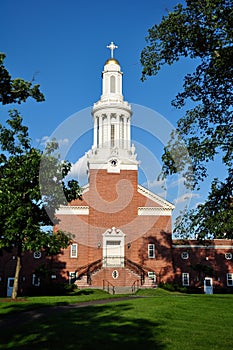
(113, 242)
(151, 250)
(229, 279)
(185, 279)
(35, 280)
(152, 276)
(74, 250)
(72, 277)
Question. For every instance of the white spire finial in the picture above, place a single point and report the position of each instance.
(112, 47)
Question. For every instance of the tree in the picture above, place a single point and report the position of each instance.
(16, 90)
(24, 172)
(23, 210)
(201, 31)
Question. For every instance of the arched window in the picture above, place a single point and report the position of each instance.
(112, 84)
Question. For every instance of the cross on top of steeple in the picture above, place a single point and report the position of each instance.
(112, 47)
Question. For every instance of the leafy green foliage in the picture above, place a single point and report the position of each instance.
(22, 208)
(16, 90)
(32, 184)
(202, 31)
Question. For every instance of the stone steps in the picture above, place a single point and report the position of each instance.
(123, 290)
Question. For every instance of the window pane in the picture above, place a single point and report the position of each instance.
(73, 251)
(151, 250)
(113, 242)
(185, 279)
(230, 279)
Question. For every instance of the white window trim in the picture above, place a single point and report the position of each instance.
(153, 249)
(185, 275)
(74, 255)
(230, 279)
(152, 275)
(72, 276)
(35, 280)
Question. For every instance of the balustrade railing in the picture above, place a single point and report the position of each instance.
(113, 261)
(108, 286)
(135, 286)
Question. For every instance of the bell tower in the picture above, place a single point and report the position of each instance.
(112, 149)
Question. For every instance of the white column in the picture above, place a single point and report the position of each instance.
(104, 131)
(128, 133)
(117, 131)
(125, 132)
(95, 132)
(101, 131)
(109, 130)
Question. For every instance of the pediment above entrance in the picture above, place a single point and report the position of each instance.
(113, 232)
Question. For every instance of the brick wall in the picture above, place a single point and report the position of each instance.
(113, 201)
(205, 259)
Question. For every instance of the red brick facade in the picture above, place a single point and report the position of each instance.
(113, 202)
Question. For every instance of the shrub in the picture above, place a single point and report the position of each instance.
(172, 287)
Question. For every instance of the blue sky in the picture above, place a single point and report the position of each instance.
(62, 45)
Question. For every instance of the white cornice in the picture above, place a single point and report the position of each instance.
(200, 246)
(85, 188)
(155, 198)
(154, 211)
(72, 210)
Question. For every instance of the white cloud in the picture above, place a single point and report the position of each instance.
(45, 139)
(156, 183)
(79, 170)
(64, 141)
(177, 182)
(186, 197)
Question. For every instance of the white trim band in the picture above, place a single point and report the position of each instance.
(73, 210)
(202, 246)
(154, 211)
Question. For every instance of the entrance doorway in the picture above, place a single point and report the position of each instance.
(10, 284)
(208, 285)
(113, 248)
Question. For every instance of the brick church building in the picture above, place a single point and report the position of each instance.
(122, 232)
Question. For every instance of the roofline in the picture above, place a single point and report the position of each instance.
(154, 197)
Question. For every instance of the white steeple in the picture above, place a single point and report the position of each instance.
(111, 116)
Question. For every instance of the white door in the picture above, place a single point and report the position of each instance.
(113, 253)
(10, 283)
(113, 248)
(208, 285)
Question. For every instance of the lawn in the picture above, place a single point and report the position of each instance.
(159, 320)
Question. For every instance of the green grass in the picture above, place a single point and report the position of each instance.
(31, 303)
(160, 320)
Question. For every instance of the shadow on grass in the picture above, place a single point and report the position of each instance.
(100, 326)
(84, 292)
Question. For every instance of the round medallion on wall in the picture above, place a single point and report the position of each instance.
(184, 255)
(113, 162)
(37, 255)
(115, 274)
